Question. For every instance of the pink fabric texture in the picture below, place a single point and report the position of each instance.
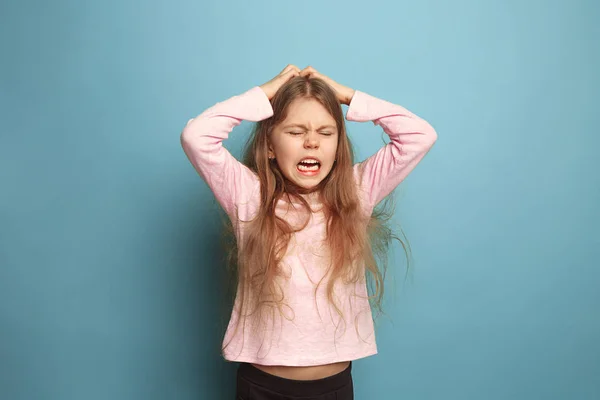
(310, 332)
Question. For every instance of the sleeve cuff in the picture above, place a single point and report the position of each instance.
(260, 101)
(364, 107)
(356, 107)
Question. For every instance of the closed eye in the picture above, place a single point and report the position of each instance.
(294, 133)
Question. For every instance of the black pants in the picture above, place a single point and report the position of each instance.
(254, 384)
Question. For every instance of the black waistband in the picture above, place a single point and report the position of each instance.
(290, 387)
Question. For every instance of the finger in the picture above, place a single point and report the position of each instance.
(310, 74)
(292, 73)
(308, 71)
(287, 76)
(286, 69)
(289, 68)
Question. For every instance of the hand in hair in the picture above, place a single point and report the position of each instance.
(343, 93)
(271, 87)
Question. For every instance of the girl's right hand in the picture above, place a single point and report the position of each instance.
(271, 87)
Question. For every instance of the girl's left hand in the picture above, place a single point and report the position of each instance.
(343, 93)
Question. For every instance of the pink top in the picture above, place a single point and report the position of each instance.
(311, 332)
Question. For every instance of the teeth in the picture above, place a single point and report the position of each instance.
(313, 167)
(309, 161)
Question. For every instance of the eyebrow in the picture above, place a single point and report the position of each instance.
(306, 127)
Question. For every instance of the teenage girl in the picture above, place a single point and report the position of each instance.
(301, 211)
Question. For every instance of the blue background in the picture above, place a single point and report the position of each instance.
(110, 274)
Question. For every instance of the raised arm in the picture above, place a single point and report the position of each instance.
(232, 183)
(411, 138)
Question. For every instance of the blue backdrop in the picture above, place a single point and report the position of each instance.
(110, 270)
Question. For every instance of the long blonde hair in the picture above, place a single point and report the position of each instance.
(350, 234)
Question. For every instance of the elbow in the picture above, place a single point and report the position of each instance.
(433, 136)
(191, 136)
(195, 139)
(184, 141)
(185, 135)
(430, 133)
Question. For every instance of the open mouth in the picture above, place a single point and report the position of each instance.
(309, 166)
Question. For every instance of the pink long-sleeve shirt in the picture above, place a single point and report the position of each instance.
(311, 331)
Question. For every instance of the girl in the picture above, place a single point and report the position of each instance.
(301, 211)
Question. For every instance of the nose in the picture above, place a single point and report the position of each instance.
(312, 141)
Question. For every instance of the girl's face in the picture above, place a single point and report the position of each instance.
(305, 143)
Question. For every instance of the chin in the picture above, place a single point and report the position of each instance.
(309, 187)
(306, 185)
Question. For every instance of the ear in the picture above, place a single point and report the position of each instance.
(270, 152)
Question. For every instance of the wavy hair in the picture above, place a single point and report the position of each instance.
(350, 234)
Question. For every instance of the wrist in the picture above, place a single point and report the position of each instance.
(265, 91)
(349, 96)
